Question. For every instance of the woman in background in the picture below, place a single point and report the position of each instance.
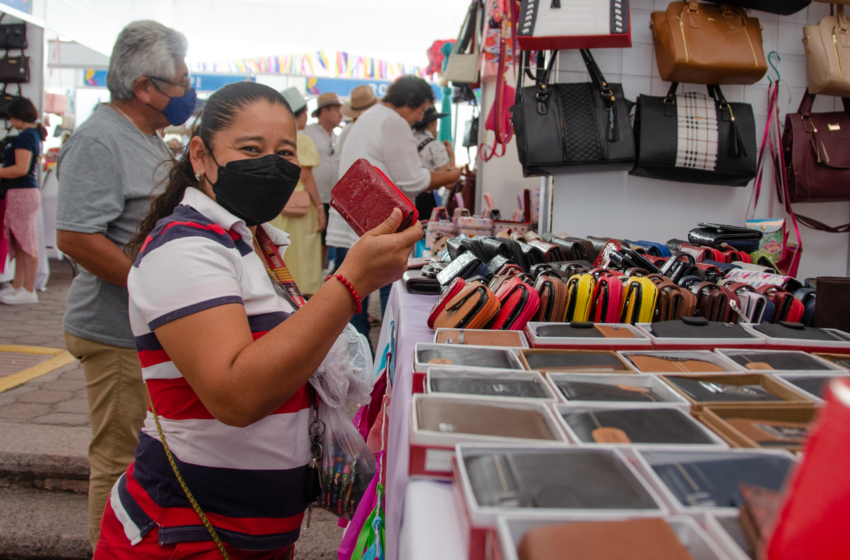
(17, 180)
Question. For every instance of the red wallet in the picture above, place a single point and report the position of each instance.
(365, 198)
(519, 303)
(452, 290)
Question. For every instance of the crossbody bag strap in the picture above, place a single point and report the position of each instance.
(424, 143)
(210, 529)
(276, 269)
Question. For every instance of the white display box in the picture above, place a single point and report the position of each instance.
(523, 341)
(713, 524)
(470, 356)
(431, 452)
(588, 343)
(789, 379)
(840, 344)
(825, 365)
(660, 343)
(510, 531)
(644, 459)
(668, 395)
(478, 522)
(561, 409)
(717, 359)
(494, 375)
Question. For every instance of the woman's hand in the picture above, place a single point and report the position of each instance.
(380, 256)
(323, 220)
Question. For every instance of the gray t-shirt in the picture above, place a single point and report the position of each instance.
(109, 172)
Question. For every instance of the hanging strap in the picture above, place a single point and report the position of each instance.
(277, 270)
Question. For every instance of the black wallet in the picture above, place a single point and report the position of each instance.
(417, 283)
(720, 236)
(466, 356)
(647, 425)
(708, 391)
(787, 361)
(812, 384)
(784, 329)
(586, 391)
(698, 327)
(465, 266)
(575, 478)
(575, 361)
(489, 386)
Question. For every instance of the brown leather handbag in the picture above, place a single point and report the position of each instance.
(708, 44)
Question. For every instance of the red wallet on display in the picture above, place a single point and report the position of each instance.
(365, 198)
(519, 303)
(453, 289)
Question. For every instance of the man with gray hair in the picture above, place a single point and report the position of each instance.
(109, 171)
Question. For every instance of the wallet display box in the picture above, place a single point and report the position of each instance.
(795, 336)
(769, 360)
(510, 531)
(841, 360)
(573, 361)
(438, 423)
(775, 427)
(745, 339)
(750, 389)
(448, 356)
(680, 361)
(632, 389)
(598, 336)
(651, 425)
(564, 483)
(492, 385)
(812, 386)
(727, 532)
(696, 482)
(481, 337)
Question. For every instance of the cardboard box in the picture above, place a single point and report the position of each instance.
(496, 376)
(431, 452)
(789, 396)
(640, 340)
(664, 392)
(717, 359)
(507, 339)
(560, 409)
(841, 344)
(715, 418)
(659, 343)
(820, 364)
(524, 353)
(510, 531)
(477, 521)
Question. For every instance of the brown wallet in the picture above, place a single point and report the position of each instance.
(553, 299)
(635, 539)
(483, 419)
(511, 339)
(673, 301)
(472, 308)
(768, 433)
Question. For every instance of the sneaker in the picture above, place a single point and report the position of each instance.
(7, 290)
(19, 297)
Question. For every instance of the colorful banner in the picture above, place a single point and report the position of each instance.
(331, 64)
(22, 5)
(201, 82)
(343, 86)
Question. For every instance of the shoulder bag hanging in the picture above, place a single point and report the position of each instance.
(15, 69)
(781, 7)
(827, 47)
(708, 44)
(13, 35)
(499, 117)
(574, 24)
(572, 128)
(694, 138)
(5, 99)
(462, 66)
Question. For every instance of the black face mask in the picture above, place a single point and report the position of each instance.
(257, 189)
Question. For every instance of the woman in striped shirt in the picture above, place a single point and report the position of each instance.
(225, 356)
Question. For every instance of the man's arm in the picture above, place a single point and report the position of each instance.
(97, 254)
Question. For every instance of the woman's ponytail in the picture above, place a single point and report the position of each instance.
(42, 132)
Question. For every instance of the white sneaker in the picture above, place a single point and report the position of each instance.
(7, 290)
(19, 297)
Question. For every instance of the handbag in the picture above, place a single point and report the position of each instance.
(781, 7)
(470, 131)
(463, 67)
(297, 206)
(572, 128)
(499, 118)
(463, 93)
(5, 99)
(13, 35)
(693, 138)
(15, 70)
(827, 55)
(574, 24)
(708, 44)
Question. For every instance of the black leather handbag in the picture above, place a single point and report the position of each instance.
(15, 70)
(693, 138)
(572, 128)
(470, 131)
(781, 7)
(5, 99)
(13, 35)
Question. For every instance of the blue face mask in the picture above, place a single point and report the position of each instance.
(178, 109)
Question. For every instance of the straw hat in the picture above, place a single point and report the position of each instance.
(362, 97)
(294, 98)
(325, 100)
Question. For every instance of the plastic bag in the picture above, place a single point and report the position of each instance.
(346, 372)
(348, 466)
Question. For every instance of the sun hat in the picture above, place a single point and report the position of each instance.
(326, 100)
(431, 115)
(294, 98)
(361, 98)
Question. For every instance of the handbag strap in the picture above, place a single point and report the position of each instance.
(277, 270)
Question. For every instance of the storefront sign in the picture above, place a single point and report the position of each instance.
(343, 86)
(201, 81)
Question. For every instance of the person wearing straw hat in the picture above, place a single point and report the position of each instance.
(303, 257)
(323, 136)
(361, 98)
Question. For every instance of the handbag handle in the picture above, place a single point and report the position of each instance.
(466, 30)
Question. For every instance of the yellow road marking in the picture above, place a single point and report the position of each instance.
(60, 358)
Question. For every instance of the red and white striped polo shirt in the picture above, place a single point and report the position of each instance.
(250, 482)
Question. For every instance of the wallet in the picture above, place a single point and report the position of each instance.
(715, 482)
(586, 391)
(788, 308)
(508, 339)
(551, 252)
(787, 361)
(365, 198)
(482, 419)
(720, 236)
(583, 330)
(576, 361)
(833, 301)
(636, 539)
(768, 433)
(446, 354)
(703, 390)
(519, 303)
(488, 385)
(553, 299)
(808, 297)
(638, 301)
(697, 327)
(580, 290)
(798, 331)
(638, 425)
(597, 479)
(465, 266)
(417, 283)
(716, 303)
(812, 384)
(449, 292)
(672, 364)
(471, 308)
(606, 301)
(673, 302)
(572, 248)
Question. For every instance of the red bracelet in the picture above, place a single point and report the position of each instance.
(358, 307)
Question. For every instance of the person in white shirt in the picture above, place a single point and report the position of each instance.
(361, 98)
(323, 136)
(384, 138)
(435, 156)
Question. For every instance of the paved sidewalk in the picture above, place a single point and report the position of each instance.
(49, 414)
